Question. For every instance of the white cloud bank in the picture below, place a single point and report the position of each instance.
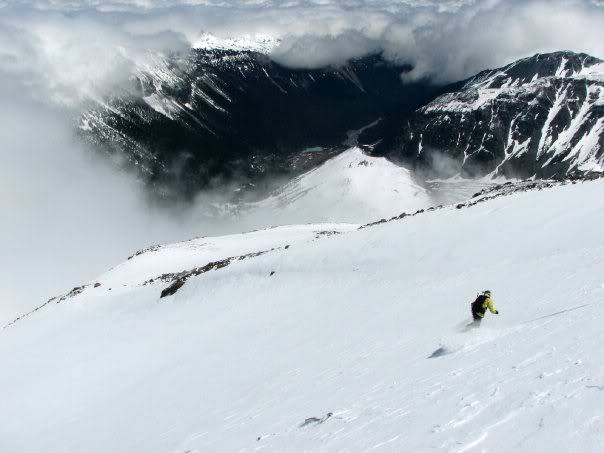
(66, 216)
(71, 43)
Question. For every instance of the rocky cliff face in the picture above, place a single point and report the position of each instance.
(221, 113)
(541, 116)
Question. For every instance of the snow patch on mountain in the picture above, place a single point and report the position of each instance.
(594, 72)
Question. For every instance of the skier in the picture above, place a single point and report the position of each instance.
(480, 305)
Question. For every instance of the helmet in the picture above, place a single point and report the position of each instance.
(487, 293)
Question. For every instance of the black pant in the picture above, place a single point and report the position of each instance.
(477, 317)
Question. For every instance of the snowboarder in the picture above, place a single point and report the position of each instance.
(480, 305)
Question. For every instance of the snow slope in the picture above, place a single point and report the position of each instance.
(351, 187)
(158, 260)
(242, 360)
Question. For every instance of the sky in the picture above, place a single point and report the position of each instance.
(68, 215)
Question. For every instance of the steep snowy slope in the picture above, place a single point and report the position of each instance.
(351, 187)
(542, 115)
(330, 352)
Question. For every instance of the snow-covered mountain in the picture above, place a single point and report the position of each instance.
(224, 112)
(540, 116)
(330, 338)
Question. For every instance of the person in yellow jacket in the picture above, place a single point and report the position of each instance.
(480, 306)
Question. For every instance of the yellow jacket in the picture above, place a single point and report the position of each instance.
(488, 303)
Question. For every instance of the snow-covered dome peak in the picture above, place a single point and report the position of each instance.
(351, 187)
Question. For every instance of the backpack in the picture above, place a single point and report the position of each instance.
(477, 304)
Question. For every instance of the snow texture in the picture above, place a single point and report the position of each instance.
(325, 345)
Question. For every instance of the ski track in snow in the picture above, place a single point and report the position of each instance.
(241, 360)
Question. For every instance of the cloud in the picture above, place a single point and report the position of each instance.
(321, 51)
(66, 58)
(91, 43)
(66, 214)
(495, 33)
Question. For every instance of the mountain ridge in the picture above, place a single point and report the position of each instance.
(541, 116)
(226, 114)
